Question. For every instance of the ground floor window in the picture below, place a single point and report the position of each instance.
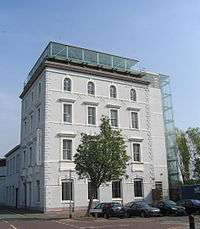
(92, 190)
(38, 190)
(158, 185)
(138, 187)
(116, 189)
(67, 190)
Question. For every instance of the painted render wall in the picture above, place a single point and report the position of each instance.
(150, 134)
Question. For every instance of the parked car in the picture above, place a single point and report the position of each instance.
(108, 209)
(141, 208)
(191, 205)
(170, 208)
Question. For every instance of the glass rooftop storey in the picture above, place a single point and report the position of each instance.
(85, 56)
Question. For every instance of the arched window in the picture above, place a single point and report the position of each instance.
(133, 94)
(67, 84)
(113, 91)
(91, 88)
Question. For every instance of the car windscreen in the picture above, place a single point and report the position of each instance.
(195, 201)
(143, 204)
(170, 203)
(116, 205)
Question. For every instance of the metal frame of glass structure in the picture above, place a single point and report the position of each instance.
(170, 131)
(84, 56)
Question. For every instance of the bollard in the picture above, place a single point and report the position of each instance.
(95, 215)
(191, 222)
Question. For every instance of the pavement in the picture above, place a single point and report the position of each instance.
(10, 219)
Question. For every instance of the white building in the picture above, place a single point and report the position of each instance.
(2, 181)
(67, 92)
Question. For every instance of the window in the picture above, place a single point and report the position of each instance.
(92, 115)
(39, 89)
(67, 149)
(134, 120)
(67, 190)
(31, 122)
(133, 94)
(113, 92)
(92, 190)
(91, 88)
(114, 117)
(38, 190)
(24, 159)
(67, 113)
(25, 127)
(38, 114)
(67, 84)
(158, 185)
(136, 152)
(30, 156)
(138, 187)
(116, 189)
(32, 96)
(17, 163)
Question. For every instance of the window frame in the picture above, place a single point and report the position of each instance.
(113, 109)
(97, 192)
(68, 139)
(120, 190)
(113, 86)
(140, 155)
(131, 120)
(94, 107)
(72, 190)
(70, 104)
(94, 88)
(142, 188)
(133, 100)
(63, 84)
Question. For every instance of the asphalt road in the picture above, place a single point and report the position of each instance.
(12, 220)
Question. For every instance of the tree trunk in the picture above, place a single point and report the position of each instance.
(89, 206)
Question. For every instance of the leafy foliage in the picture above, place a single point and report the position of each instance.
(101, 158)
(194, 135)
(184, 154)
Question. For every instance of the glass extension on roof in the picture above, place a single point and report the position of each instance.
(80, 55)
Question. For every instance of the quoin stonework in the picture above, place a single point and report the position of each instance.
(66, 93)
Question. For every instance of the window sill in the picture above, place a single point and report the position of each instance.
(66, 160)
(136, 129)
(137, 162)
(139, 198)
(92, 125)
(95, 200)
(116, 199)
(66, 123)
(66, 201)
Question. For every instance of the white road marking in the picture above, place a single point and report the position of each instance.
(10, 225)
(67, 224)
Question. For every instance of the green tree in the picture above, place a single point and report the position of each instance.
(101, 158)
(197, 168)
(194, 135)
(184, 155)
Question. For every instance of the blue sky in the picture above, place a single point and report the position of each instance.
(163, 35)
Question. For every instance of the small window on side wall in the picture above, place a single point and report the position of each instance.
(67, 84)
(133, 95)
(113, 91)
(91, 88)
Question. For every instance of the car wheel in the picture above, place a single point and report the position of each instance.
(143, 214)
(127, 215)
(106, 215)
